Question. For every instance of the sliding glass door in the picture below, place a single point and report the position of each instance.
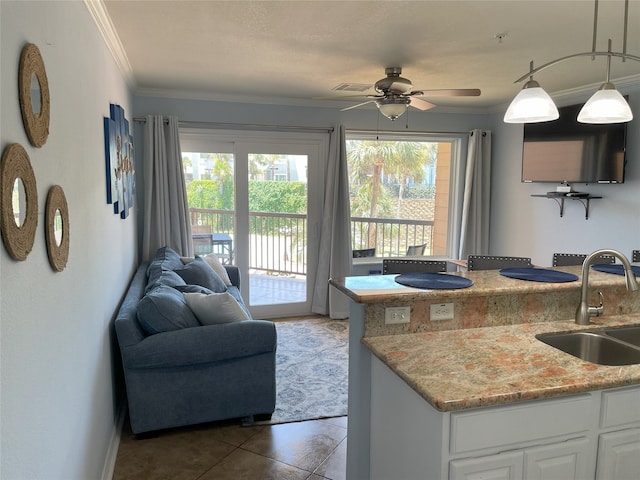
(254, 203)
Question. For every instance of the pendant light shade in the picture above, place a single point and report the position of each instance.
(531, 105)
(607, 105)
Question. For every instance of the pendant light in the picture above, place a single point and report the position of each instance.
(607, 105)
(531, 105)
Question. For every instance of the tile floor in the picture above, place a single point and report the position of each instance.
(311, 450)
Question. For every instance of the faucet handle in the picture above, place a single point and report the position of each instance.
(599, 310)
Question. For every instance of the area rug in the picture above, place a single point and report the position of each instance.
(311, 369)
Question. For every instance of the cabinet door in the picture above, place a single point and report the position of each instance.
(504, 466)
(561, 461)
(619, 455)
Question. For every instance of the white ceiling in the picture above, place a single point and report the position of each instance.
(291, 52)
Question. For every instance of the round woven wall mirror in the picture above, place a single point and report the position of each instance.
(33, 89)
(57, 230)
(18, 235)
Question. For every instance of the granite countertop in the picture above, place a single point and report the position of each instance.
(382, 288)
(479, 367)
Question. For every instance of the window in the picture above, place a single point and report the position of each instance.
(400, 192)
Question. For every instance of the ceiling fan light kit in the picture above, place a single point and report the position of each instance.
(607, 105)
(395, 94)
(393, 107)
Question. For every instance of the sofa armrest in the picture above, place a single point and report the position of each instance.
(199, 345)
(234, 274)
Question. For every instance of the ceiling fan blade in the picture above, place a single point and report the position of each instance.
(448, 92)
(356, 106)
(345, 97)
(421, 104)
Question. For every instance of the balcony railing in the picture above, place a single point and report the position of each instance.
(278, 241)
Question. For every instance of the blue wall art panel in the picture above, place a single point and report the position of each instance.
(118, 146)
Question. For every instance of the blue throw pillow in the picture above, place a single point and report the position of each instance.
(201, 273)
(192, 289)
(164, 309)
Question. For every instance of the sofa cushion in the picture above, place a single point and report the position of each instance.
(164, 309)
(215, 308)
(168, 258)
(192, 289)
(214, 262)
(200, 273)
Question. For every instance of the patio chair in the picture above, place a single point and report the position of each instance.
(492, 262)
(200, 229)
(416, 250)
(366, 252)
(568, 259)
(397, 265)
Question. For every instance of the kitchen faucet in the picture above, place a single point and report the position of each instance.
(584, 311)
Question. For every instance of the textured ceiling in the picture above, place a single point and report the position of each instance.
(292, 52)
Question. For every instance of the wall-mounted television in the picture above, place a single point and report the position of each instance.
(567, 151)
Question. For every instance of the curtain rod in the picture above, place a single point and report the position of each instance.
(410, 132)
(191, 123)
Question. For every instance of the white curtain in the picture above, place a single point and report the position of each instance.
(474, 228)
(166, 211)
(335, 234)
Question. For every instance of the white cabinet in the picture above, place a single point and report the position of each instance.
(504, 466)
(619, 455)
(567, 461)
(547, 439)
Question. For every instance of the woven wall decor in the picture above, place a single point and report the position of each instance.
(18, 239)
(36, 124)
(57, 229)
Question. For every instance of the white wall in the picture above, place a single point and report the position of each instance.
(526, 226)
(58, 404)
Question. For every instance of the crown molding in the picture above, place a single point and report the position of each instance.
(105, 26)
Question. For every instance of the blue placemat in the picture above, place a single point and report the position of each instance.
(433, 281)
(616, 268)
(538, 275)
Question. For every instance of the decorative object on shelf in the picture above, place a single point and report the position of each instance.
(18, 202)
(118, 145)
(607, 105)
(33, 89)
(57, 228)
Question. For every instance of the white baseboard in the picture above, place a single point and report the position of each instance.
(114, 444)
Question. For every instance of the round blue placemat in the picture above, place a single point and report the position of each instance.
(616, 268)
(538, 275)
(433, 281)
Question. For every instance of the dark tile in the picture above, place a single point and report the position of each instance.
(335, 466)
(245, 465)
(302, 444)
(173, 455)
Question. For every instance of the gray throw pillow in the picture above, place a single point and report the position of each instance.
(164, 309)
(201, 273)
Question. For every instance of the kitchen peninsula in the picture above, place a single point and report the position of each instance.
(479, 393)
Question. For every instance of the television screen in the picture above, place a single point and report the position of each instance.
(567, 151)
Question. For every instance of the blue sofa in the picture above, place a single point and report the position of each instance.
(185, 373)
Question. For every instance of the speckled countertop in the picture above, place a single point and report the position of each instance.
(382, 288)
(479, 367)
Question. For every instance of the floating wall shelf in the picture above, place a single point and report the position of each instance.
(584, 200)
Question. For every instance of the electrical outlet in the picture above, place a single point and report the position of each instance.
(397, 315)
(441, 311)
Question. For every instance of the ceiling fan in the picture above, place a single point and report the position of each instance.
(395, 94)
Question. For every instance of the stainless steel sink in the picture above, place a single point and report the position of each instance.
(595, 347)
(626, 334)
